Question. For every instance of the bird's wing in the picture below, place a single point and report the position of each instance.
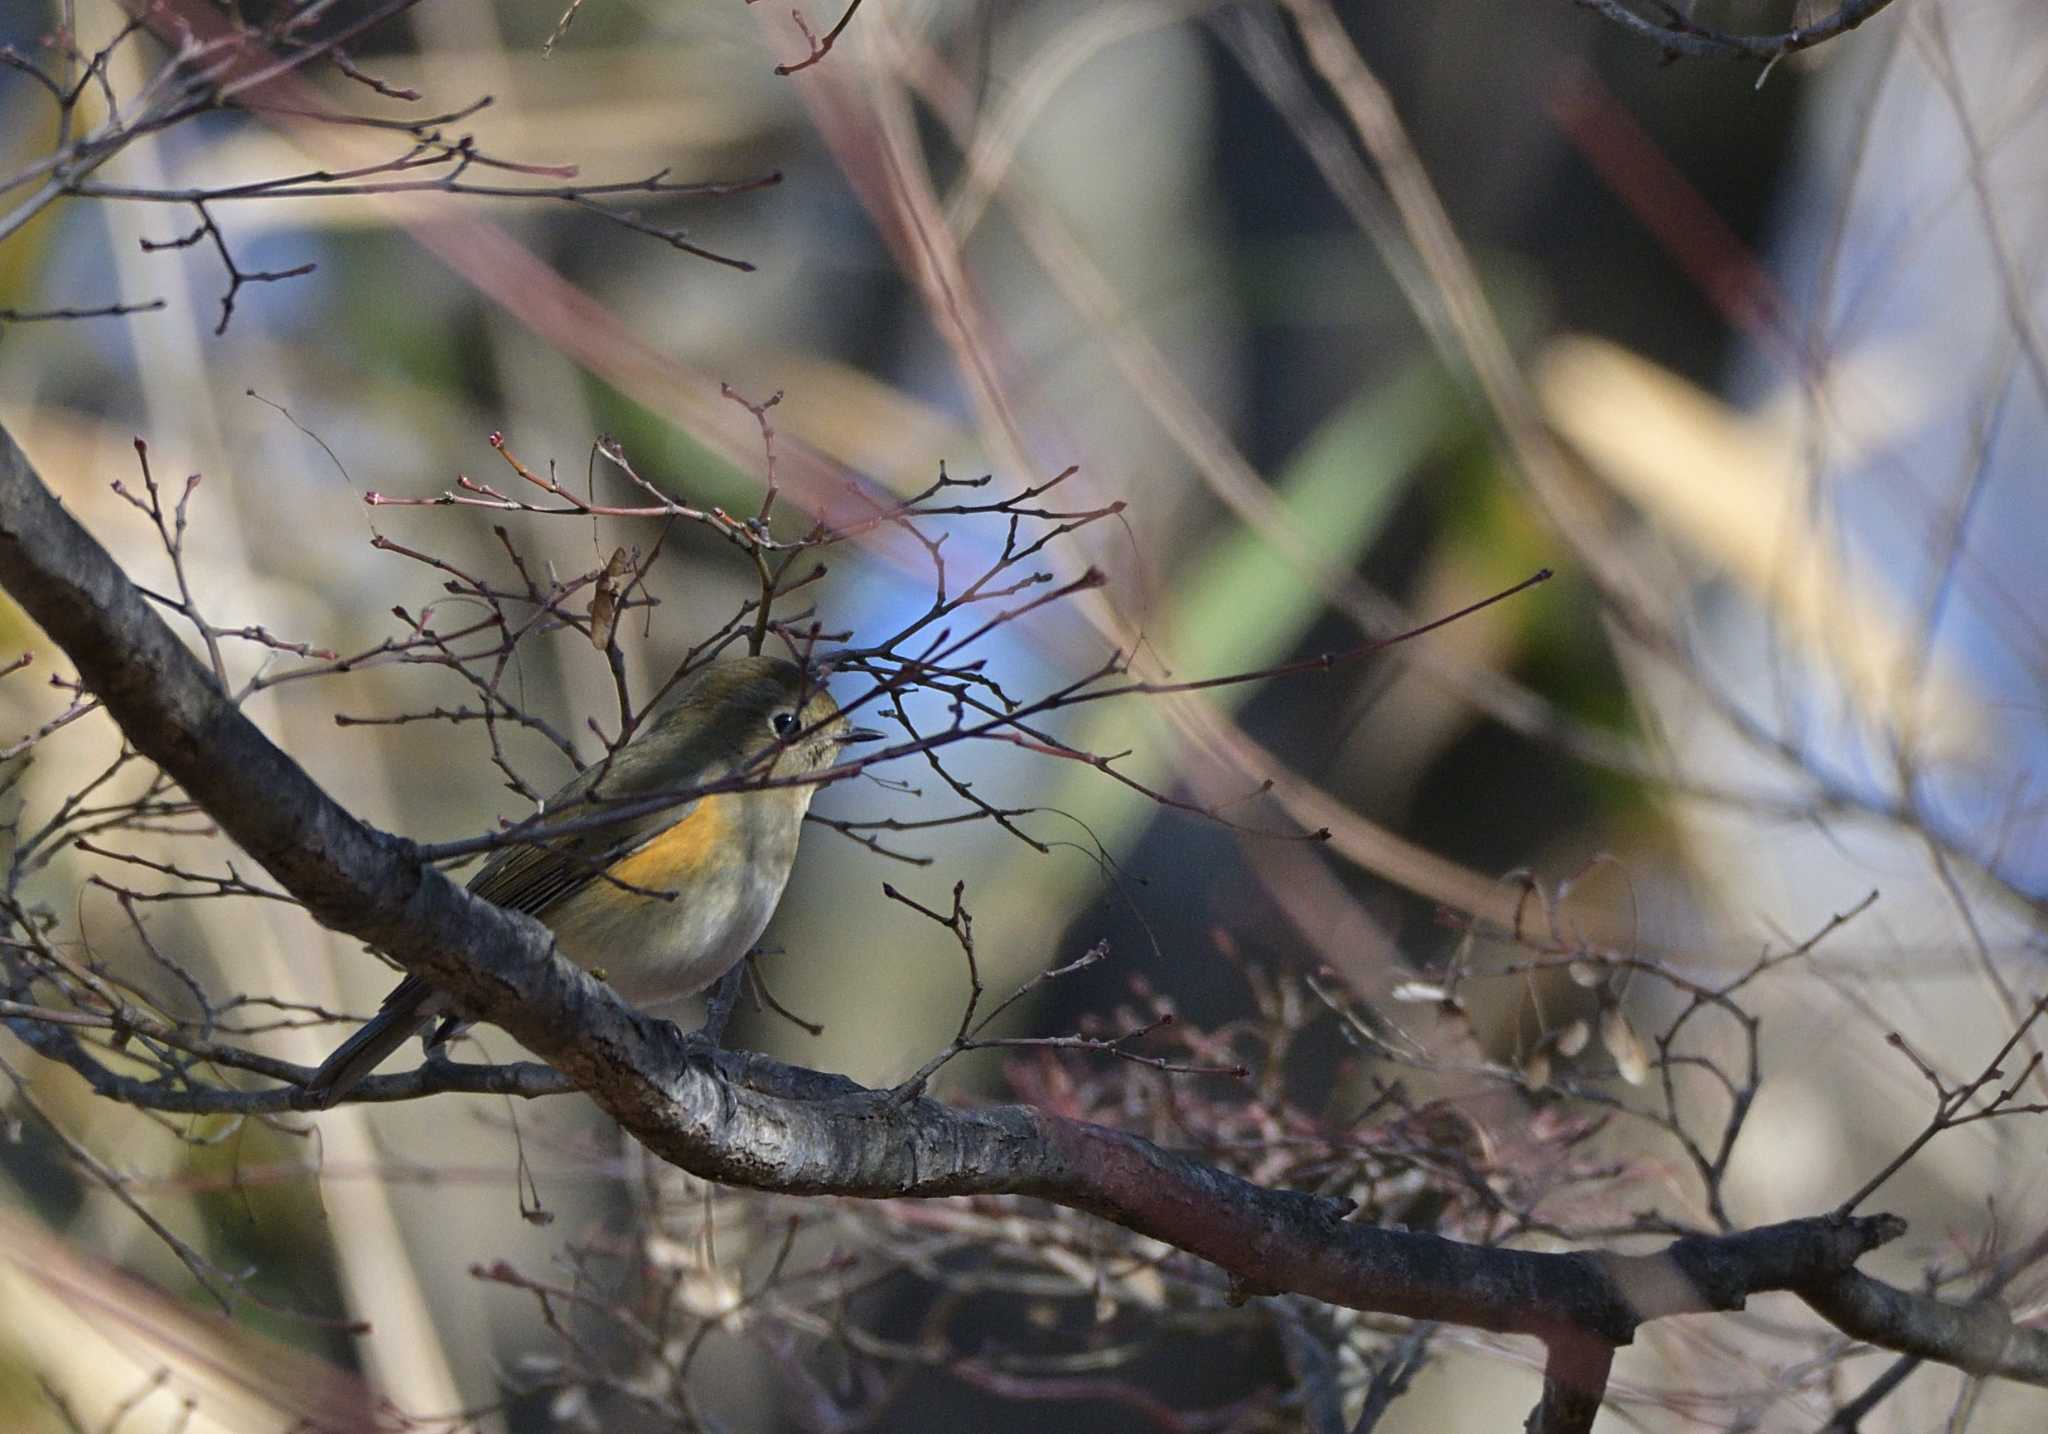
(533, 876)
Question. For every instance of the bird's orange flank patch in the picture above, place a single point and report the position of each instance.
(672, 858)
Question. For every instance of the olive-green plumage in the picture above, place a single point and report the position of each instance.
(661, 904)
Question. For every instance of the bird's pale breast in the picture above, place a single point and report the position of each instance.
(653, 950)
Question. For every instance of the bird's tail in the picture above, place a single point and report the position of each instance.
(404, 1013)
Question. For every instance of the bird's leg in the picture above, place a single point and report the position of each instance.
(718, 1006)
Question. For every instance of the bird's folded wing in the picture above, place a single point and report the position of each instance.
(532, 876)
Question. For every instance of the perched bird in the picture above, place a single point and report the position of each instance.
(664, 903)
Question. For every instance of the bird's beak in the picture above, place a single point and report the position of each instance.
(860, 734)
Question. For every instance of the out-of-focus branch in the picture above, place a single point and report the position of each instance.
(220, 63)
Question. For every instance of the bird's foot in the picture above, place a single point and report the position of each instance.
(718, 1006)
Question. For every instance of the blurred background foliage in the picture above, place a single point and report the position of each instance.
(1164, 292)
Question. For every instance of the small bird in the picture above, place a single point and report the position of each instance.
(665, 903)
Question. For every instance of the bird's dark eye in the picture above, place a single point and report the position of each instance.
(782, 723)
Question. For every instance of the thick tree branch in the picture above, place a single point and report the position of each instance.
(1574, 1383)
(1981, 1338)
(747, 1121)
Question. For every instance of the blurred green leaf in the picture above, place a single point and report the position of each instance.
(1244, 603)
(1239, 605)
